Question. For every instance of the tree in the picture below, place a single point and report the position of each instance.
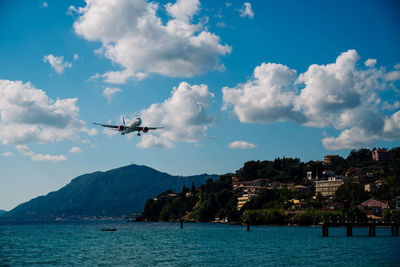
(351, 194)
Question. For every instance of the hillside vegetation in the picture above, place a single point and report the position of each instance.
(217, 200)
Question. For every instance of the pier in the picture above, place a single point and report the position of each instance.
(371, 227)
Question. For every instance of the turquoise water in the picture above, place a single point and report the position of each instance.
(165, 244)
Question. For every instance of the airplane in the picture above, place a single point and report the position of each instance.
(133, 127)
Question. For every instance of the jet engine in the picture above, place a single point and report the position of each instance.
(121, 128)
(145, 129)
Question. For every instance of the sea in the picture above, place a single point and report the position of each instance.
(196, 244)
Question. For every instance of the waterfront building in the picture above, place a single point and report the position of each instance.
(327, 188)
(373, 206)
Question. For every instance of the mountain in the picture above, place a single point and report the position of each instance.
(116, 192)
(2, 212)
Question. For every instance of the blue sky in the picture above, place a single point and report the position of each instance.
(232, 81)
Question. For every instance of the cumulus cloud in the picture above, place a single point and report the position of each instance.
(76, 57)
(184, 116)
(76, 149)
(342, 95)
(267, 97)
(110, 92)
(26, 151)
(44, 4)
(57, 63)
(28, 115)
(370, 62)
(246, 10)
(241, 145)
(136, 39)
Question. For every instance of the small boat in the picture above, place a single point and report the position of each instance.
(108, 229)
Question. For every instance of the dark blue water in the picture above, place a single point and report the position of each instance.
(165, 244)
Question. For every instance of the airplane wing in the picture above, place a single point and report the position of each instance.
(154, 128)
(108, 125)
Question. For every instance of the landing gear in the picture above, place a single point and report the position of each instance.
(138, 134)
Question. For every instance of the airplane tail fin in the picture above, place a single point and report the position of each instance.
(123, 121)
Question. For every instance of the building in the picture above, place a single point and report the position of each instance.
(331, 159)
(327, 188)
(373, 207)
(309, 176)
(328, 173)
(253, 186)
(334, 206)
(371, 187)
(302, 189)
(243, 199)
(380, 154)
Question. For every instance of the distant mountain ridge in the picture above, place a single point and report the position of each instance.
(2, 212)
(116, 192)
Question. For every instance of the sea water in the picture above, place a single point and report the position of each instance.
(197, 244)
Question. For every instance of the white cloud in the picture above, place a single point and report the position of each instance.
(246, 11)
(241, 145)
(110, 92)
(57, 63)
(269, 96)
(370, 62)
(45, 4)
(76, 57)
(341, 95)
(149, 141)
(109, 132)
(349, 138)
(391, 127)
(72, 10)
(76, 149)
(26, 151)
(27, 115)
(184, 116)
(135, 38)
(393, 75)
(183, 9)
(8, 154)
(387, 106)
(47, 157)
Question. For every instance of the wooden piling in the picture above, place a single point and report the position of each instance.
(181, 224)
(248, 227)
(397, 229)
(392, 230)
(325, 230)
(373, 229)
(349, 230)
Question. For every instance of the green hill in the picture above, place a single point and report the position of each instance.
(116, 192)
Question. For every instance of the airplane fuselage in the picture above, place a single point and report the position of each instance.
(133, 127)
